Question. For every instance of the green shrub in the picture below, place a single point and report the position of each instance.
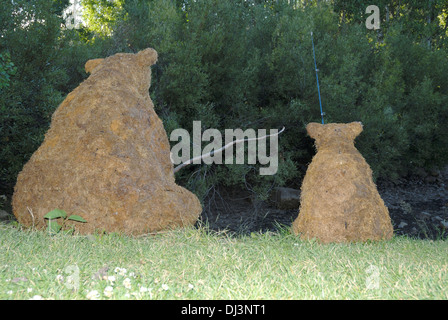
(243, 64)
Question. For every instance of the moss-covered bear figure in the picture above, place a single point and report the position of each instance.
(339, 200)
(106, 157)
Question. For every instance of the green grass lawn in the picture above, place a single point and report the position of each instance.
(195, 264)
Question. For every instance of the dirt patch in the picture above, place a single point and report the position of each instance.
(240, 213)
(418, 208)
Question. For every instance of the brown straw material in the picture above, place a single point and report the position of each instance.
(106, 157)
(339, 200)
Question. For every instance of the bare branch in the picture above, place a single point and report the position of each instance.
(186, 163)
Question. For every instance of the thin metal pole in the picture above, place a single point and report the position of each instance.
(317, 79)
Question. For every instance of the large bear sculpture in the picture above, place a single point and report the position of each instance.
(106, 157)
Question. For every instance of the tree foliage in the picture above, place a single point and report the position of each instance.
(243, 64)
(36, 76)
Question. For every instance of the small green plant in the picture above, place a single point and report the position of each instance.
(54, 227)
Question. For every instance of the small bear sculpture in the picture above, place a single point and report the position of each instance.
(339, 200)
(106, 157)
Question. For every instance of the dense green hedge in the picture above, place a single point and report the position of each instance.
(245, 64)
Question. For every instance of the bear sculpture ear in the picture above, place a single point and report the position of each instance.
(314, 130)
(355, 128)
(147, 57)
(92, 64)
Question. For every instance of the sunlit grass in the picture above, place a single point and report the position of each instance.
(196, 264)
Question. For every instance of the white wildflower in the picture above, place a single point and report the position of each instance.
(36, 297)
(165, 287)
(121, 271)
(108, 291)
(29, 290)
(143, 289)
(93, 295)
(71, 280)
(127, 283)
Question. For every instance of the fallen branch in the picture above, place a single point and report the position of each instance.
(186, 163)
